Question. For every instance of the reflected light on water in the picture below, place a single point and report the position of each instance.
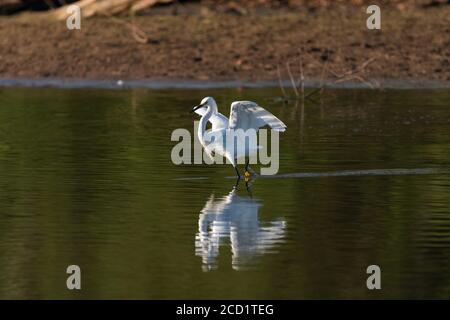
(234, 220)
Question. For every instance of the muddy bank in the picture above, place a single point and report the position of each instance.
(197, 43)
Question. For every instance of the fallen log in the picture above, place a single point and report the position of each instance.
(91, 8)
(12, 6)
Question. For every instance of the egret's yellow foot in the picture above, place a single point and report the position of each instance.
(247, 174)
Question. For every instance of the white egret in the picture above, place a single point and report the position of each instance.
(244, 115)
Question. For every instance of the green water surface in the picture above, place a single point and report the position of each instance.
(86, 178)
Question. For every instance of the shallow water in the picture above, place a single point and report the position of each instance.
(86, 178)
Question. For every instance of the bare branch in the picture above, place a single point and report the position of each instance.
(280, 82)
(294, 87)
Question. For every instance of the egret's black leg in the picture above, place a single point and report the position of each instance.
(237, 182)
(237, 172)
(238, 177)
(247, 163)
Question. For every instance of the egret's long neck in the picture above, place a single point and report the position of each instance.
(202, 125)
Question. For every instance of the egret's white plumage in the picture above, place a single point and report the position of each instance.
(244, 116)
(218, 120)
(248, 115)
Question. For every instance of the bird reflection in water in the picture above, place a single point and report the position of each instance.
(234, 219)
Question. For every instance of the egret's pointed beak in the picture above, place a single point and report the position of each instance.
(196, 107)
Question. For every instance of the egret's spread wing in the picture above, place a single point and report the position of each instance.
(218, 120)
(248, 115)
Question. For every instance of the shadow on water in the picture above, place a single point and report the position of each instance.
(234, 219)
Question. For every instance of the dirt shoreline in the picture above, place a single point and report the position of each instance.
(203, 44)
